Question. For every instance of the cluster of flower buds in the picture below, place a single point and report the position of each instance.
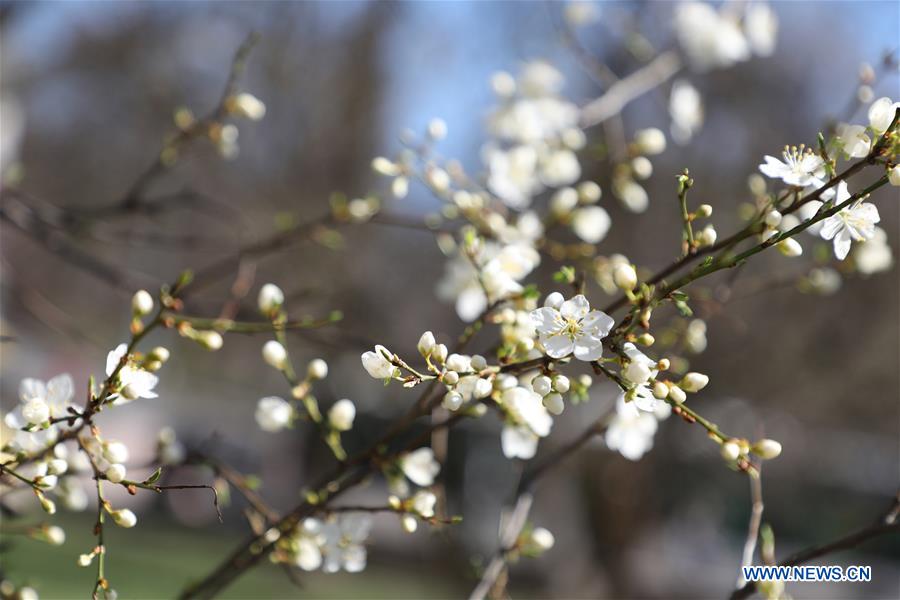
(418, 506)
(737, 451)
(332, 544)
(107, 456)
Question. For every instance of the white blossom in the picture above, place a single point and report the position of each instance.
(874, 255)
(376, 364)
(273, 413)
(135, 381)
(881, 113)
(574, 328)
(709, 39)
(529, 422)
(854, 223)
(591, 224)
(423, 503)
(686, 111)
(761, 28)
(342, 414)
(799, 168)
(420, 466)
(854, 140)
(631, 431)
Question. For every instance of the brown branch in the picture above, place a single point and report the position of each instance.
(886, 525)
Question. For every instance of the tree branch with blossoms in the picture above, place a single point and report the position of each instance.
(495, 228)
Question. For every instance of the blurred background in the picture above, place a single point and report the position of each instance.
(88, 92)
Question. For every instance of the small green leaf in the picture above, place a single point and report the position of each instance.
(154, 477)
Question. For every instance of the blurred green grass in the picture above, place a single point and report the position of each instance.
(158, 558)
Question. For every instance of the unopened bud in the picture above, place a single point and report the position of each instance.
(275, 354)
(625, 277)
(730, 451)
(317, 369)
(766, 448)
(790, 247)
(694, 382)
(426, 343)
(141, 303)
(676, 394)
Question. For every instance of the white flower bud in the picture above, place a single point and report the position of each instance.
(541, 385)
(553, 402)
(790, 247)
(385, 166)
(503, 84)
(400, 187)
(426, 343)
(478, 362)
(894, 175)
(707, 236)
(273, 414)
(766, 448)
(694, 382)
(159, 354)
(646, 339)
(317, 369)
(452, 400)
(55, 535)
(124, 518)
(625, 277)
(376, 364)
(663, 364)
(409, 523)
(660, 390)
(342, 414)
(676, 394)
(423, 503)
(451, 377)
(275, 354)
(730, 451)
(438, 179)
(57, 466)
(459, 363)
(563, 201)
(115, 472)
(115, 452)
(248, 106)
(85, 560)
(439, 353)
(642, 167)
(554, 300)
(48, 505)
(561, 384)
(542, 539)
(211, 340)
(483, 388)
(36, 411)
(437, 129)
(773, 218)
(637, 372)
(270, 298)
(141, 303)
(650, 141)
(703, 211)
(589, 192)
